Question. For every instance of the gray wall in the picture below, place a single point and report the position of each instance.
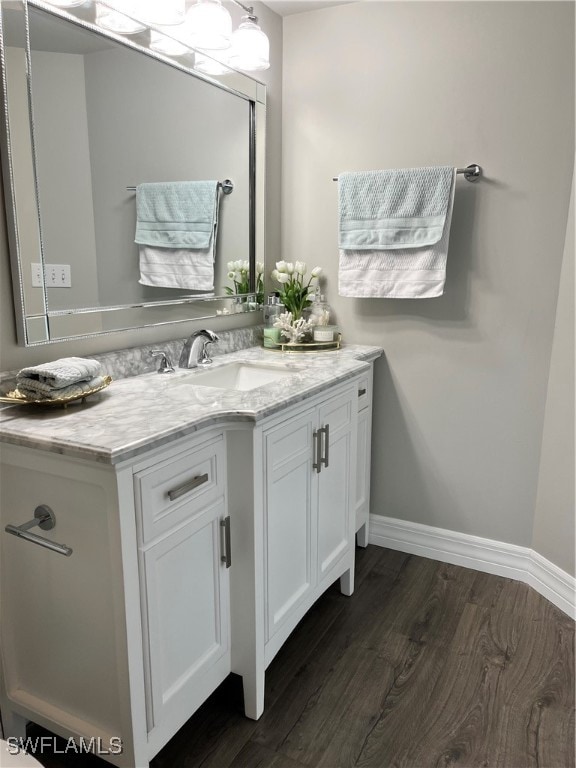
(13, 357)
(63, 158)
(460, 397)
(554, 519)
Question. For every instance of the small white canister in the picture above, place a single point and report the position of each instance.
(326, 332)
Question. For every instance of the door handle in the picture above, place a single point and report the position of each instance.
(226, 556)
(187, 487)
(326, 453)
(317, 450)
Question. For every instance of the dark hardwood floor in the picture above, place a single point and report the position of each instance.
(428, 665)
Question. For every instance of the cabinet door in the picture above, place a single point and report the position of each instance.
(288, 517)
(336, 482)
(187, 611)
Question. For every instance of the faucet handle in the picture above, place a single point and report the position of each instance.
(165, 362)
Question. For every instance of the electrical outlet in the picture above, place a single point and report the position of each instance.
(58, 276)
(36, 275)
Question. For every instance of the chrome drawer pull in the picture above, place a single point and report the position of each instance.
(45, 518)
(326, 457)
(226, 556)
(361, 392)
(187, 487)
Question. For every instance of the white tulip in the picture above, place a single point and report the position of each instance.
(283, 277)
(259, 268)
(316, 272)
(290, 268)
(300, 267)
(274, 274)
(230, 266)
(281, 266)
(231, 275)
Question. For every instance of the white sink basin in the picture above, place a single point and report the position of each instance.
(240, 376)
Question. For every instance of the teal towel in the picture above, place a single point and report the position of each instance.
(176, 214)
(387, 210)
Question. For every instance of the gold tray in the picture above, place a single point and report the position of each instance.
(309, 346)
(15, 398)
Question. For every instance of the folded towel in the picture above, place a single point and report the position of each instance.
(177, 268)
(59, 373)
(177, 214)
(402, 208)
(397, 271)
(36, 390)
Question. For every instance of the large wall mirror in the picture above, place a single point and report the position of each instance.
(88, 116)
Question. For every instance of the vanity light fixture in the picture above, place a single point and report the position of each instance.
(250, 46)
(216, 63)
(209, 26)
(163, 13)
(165, 45)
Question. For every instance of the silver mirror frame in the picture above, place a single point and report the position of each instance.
(35, 323)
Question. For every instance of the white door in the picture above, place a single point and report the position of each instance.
(187, 610)
(288, 517)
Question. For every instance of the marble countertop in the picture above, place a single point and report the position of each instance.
(148, 411)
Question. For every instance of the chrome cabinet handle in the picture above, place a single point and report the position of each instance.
(187, 487)
(226, 556)
(45, 519)
(316, 450)
(326, 457)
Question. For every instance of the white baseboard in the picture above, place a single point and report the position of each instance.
(496, 557)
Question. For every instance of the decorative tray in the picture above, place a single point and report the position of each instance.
(309, 346)
(15, 398)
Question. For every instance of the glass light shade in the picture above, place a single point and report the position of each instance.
(250, 47)
(209, 25)
(161, 12)
(166, 45)
(66, 3)
(115, 21)
(214, 64)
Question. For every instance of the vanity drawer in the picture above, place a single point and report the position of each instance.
(364, 391)
(179, 488)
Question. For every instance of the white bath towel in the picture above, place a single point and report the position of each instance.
(400, 249)
(177, 268)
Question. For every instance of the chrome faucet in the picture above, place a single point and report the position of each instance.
(195, 351)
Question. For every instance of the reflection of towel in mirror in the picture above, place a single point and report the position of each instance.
(394, 232)
(176, 229)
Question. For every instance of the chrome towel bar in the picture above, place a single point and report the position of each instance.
(471, 172)
(45, 519)
(227, 186)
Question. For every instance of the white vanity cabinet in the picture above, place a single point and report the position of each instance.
(303, 467)
(126, 637)
(363, 456)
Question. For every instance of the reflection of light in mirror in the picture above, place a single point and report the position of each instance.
(116, 21)
(67, 3)
(250, 46)
(215, 64)
(210, 25)
(163, 12)
(166, 45)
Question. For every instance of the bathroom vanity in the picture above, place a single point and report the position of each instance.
(203, 522)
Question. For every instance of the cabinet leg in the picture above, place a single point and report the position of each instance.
(362, 536)
(347, 582)
(253, 686)
(13, 725)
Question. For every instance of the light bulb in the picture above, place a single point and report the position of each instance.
(116, 21)
(250, 46)
(209, 25)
